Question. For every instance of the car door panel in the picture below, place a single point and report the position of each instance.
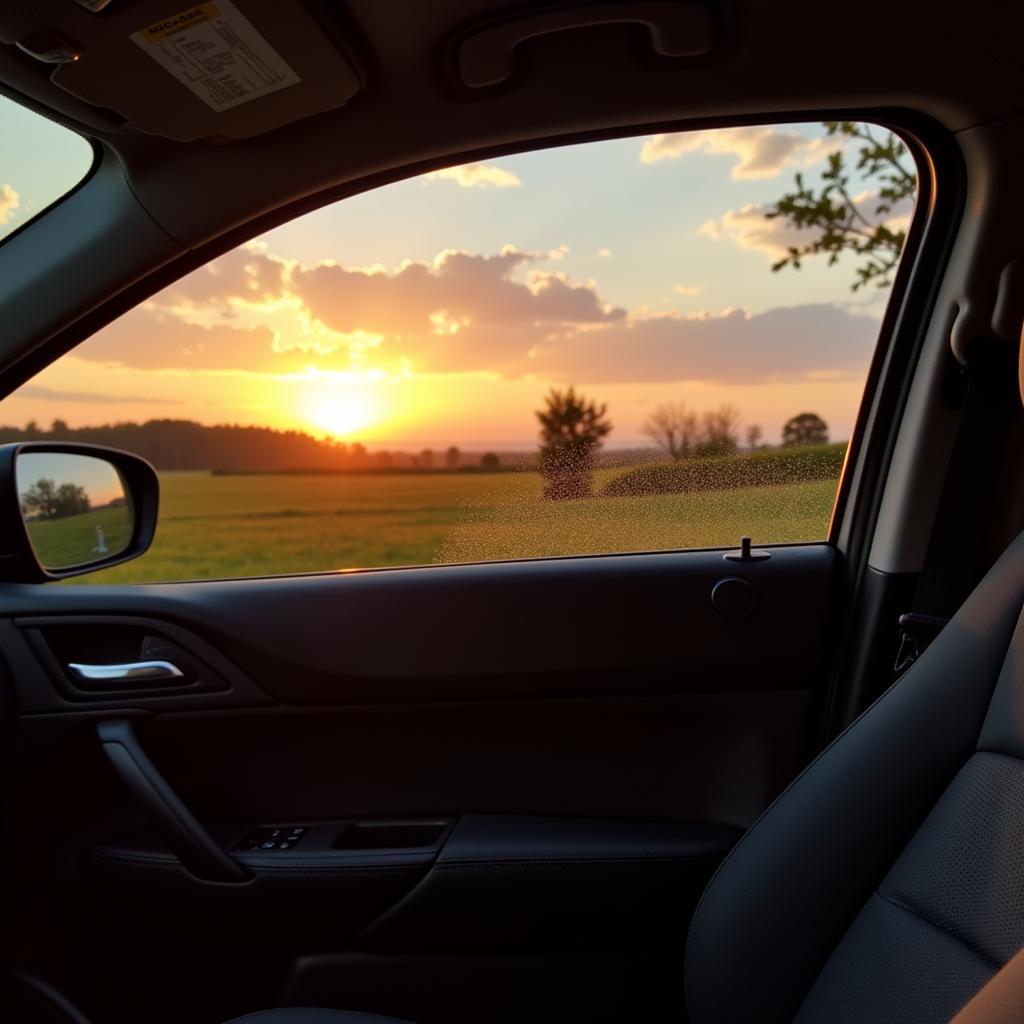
(554, 627)
(590, 736)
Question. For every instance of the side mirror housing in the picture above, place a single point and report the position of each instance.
(69, 509)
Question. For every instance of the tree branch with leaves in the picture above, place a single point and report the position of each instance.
(842, 222)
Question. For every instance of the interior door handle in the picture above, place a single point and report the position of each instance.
(147, 672)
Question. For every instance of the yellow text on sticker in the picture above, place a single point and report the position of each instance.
(160, 30)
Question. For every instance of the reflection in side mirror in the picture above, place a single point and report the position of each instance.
(77, 509)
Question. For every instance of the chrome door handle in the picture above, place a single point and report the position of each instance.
(130, 672)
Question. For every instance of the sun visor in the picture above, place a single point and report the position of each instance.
(227, 69)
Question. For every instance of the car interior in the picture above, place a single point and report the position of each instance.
(723, 784)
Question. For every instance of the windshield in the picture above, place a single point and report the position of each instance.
(40, 161)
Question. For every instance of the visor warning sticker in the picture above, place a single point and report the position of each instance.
(215, 51)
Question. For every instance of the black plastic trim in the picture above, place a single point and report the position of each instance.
(940, 204)
(191, 843)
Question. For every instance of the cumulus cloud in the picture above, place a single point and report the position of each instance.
(709, 229)
(243, 276)
(750, 229)
(759, 152)
(604, 253)
(476, 176)
(686, 289)
(9, 202)
(468, 288)
(464, 312)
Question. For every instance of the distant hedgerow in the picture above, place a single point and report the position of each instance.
(749, 469)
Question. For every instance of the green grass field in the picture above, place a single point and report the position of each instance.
(224, 526)
(70, 541)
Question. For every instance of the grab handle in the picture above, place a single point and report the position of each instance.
(189, 841)
(678, 28)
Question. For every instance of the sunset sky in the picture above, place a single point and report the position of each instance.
(440, 310)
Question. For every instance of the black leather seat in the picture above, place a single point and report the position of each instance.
(887, 882)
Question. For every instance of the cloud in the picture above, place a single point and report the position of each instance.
(147, 338)
(750, 228)
(9, 202)
(686, 289)
(811, 342)
(502, 313)
(476, 176)
(709, 229)
(461, 311)
(243, 276)
(760, 152)
(53, 395)
(467, 288)
(604, 253)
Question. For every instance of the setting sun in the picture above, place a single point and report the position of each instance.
(342, 414)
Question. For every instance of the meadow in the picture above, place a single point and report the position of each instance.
(237, 525)
(72, 540)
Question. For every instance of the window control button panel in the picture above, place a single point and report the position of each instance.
(273, 837)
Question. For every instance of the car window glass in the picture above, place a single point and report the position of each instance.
(639, 344)
(39, 163)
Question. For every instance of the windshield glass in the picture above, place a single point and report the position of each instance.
(40, 161)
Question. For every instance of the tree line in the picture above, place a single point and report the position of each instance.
(573, 429)
(683, 433)
(186, 445)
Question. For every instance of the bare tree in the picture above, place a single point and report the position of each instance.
(720, 433)
(673, 427)
(452, 457)
(754, 434)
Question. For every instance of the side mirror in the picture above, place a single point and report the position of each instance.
(69, 509)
